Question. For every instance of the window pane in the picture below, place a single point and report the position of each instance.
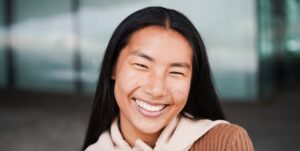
(42, 44)
(2, 53)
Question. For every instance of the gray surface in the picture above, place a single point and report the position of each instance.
(42, 122)
(273, 126)
(48, 122)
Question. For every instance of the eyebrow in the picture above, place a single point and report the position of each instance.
(183, 65)
(145, 56)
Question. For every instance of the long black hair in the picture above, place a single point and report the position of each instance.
(202, 101)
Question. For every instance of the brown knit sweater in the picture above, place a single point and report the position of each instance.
(224, 137)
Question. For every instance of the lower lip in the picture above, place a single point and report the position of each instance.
(149, 113)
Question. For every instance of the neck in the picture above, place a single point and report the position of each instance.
(131, 134)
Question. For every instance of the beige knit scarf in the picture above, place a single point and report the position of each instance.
(179, 135)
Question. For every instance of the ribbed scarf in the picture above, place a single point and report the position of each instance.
(179, 135)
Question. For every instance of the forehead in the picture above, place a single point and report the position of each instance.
(157, 32)
(160, 41)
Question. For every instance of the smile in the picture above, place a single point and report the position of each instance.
(147, 109)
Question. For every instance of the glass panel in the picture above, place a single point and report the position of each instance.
(2, 51)
(42, 41)
(265, 47)
(292, 41)
(279, 45)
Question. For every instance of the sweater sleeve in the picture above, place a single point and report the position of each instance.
(224, 137)
(241, 141)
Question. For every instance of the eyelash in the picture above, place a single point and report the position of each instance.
(177, 73)
(141, 65)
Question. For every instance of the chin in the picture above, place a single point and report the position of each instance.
(151, 130)
(150, 127)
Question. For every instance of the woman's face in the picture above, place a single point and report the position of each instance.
(152, 79)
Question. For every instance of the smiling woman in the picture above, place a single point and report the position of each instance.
(149, 89)
(155, 90)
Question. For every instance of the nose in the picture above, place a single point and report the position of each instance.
(155, 86)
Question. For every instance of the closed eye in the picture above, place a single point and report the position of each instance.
(177, 73)
(141, 65)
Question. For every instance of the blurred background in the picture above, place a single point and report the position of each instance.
(51, 52)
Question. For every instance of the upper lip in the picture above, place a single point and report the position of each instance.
(151, 103)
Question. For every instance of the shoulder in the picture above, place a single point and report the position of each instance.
(224, 137)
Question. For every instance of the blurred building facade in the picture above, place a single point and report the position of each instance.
(278, 44)
(253, 46)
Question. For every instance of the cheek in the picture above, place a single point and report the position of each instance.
(180, 91)
(126, 82)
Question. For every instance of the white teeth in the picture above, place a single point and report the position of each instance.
(148, 107)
